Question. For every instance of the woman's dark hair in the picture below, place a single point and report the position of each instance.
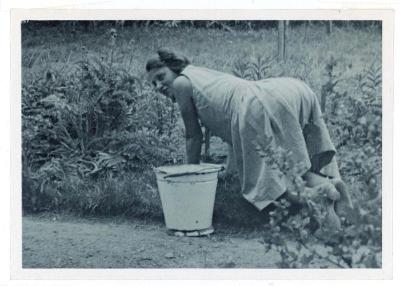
(167, 58)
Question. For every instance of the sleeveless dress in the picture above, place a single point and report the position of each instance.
(240, 111)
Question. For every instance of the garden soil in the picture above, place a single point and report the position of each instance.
(54, 241)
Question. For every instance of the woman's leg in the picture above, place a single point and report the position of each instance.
(344, 201)
(317, 186)
(312, 179)
(320, 185)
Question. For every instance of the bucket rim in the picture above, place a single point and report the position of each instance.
(188, 169)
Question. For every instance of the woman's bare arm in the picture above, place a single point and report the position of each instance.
(183, 94)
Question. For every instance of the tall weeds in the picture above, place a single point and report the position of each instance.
(97, 122)
(352, 107)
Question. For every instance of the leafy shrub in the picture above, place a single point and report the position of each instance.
(95, 122)
(354, 119)
(256, 68)
(303, 239)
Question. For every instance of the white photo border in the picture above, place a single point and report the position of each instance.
(384, 15)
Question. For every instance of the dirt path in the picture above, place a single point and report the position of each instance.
(82, 243)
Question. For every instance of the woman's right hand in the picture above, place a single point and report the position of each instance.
(183, 92)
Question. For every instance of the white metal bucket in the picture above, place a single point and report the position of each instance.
(187, 195)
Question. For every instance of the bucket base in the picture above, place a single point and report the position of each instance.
(191, 233)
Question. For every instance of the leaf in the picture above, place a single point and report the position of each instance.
(306, 259)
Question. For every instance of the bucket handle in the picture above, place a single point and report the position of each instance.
(194, 172)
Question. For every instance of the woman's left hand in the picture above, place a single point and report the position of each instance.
(228, 171)
(225, 174)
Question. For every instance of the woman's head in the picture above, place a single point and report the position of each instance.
(167, 58)
(163, 68)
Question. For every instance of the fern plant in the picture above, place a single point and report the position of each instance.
(256, 68)
(96, 122)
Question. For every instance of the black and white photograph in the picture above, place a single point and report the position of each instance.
(201, 143)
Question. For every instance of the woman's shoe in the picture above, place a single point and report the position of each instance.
(343, 206)
(332, 220)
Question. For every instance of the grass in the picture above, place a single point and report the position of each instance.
(209, 47)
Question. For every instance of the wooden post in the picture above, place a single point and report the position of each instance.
(282, 27)
(329, 27)
(307, 25)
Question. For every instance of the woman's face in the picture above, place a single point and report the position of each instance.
(162, 80)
